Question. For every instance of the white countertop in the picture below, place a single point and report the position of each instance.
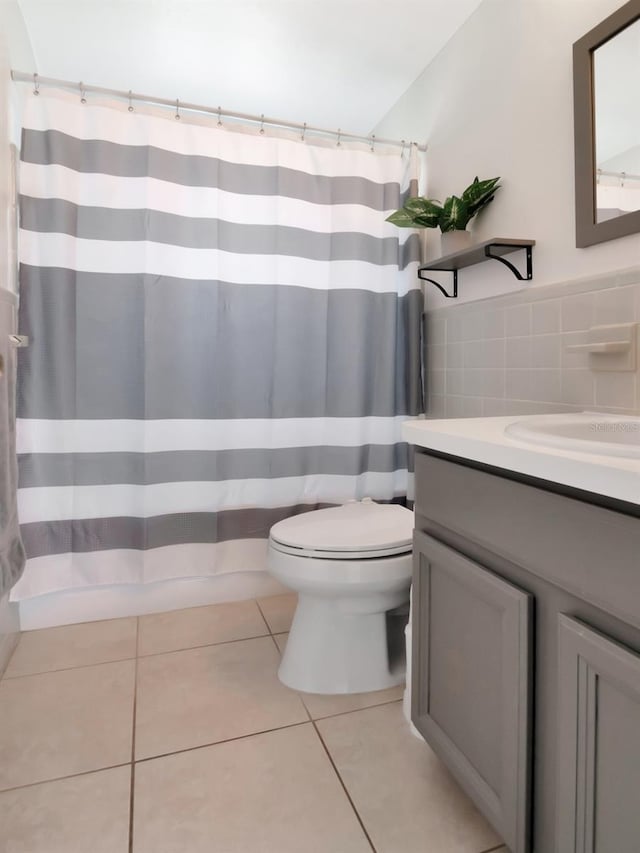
(484, 440)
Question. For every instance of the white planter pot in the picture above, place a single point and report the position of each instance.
(454, 241)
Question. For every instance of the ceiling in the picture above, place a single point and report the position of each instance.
(334, 63)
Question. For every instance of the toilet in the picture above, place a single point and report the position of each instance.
(351, 568)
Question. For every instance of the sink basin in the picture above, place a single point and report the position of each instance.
(585, 432)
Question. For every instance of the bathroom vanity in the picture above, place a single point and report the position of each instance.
(526, 631)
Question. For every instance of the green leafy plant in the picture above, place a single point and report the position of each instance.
(453, 215)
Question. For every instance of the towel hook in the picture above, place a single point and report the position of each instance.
(130, 107)
(36, 85)
(177, 115)
(83, 99)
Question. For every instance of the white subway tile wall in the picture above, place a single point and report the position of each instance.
(508, 355)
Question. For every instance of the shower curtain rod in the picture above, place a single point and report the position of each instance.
(36, 81)
(625, 176)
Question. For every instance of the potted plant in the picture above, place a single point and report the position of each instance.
(452, 217)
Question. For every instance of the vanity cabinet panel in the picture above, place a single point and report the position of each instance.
(587, 550)
(580, 561)
(598, 795)
(472, 673)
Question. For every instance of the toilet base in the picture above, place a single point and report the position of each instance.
(339, 646)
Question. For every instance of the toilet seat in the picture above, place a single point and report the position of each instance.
(358, 530)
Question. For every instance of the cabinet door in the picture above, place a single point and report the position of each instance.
(471, 674)
(598, 801)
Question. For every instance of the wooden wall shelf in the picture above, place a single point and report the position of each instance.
(494, 249)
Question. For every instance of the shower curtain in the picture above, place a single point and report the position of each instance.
(224, 332)
(12, 557)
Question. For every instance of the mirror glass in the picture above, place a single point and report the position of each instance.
(616, 94)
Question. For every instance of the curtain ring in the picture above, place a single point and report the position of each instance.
(338, 143)
(130, 107)
(623, 177)
(404, 144)
(83, 99)
(219, 117)
(373, 140)
(177, 115)
(36, 85)
(262, 124)
(304, 130)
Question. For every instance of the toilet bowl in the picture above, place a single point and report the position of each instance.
(351, 568)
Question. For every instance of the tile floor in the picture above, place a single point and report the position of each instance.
(172, 734)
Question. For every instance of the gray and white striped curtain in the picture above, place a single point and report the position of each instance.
(224, 332)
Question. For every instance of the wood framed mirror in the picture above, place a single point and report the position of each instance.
(606, 104)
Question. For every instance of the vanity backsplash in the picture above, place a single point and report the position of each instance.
(509, 354)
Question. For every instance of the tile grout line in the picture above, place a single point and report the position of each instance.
(206, 745)
(154, 757)
(205, 645)
(4, 676)
(133, 738)
(218, 742)
(340, 779)
(68, 668)
(133, 657)
(277, 647)
(264, 618)
(357, 710)
(63, 778)
(344, 787)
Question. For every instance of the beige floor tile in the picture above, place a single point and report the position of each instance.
(210, 694)
(73, 645)
(60, 723)
(320, 705)
(407, 800)
(278, 611)
(200, 626)
(84, 813)
(271, 793)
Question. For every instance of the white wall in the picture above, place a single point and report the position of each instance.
(15, 36)
(15, 52)
(498, 100)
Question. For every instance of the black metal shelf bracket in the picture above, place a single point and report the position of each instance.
(439, 286)
(514, 269)
(494, 249)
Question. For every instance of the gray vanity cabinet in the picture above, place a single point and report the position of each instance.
(598, 743)
(526, 653)
(472, 653)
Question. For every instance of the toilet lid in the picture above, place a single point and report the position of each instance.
(358, 527)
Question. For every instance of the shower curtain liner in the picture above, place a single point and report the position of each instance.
(224, 332)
